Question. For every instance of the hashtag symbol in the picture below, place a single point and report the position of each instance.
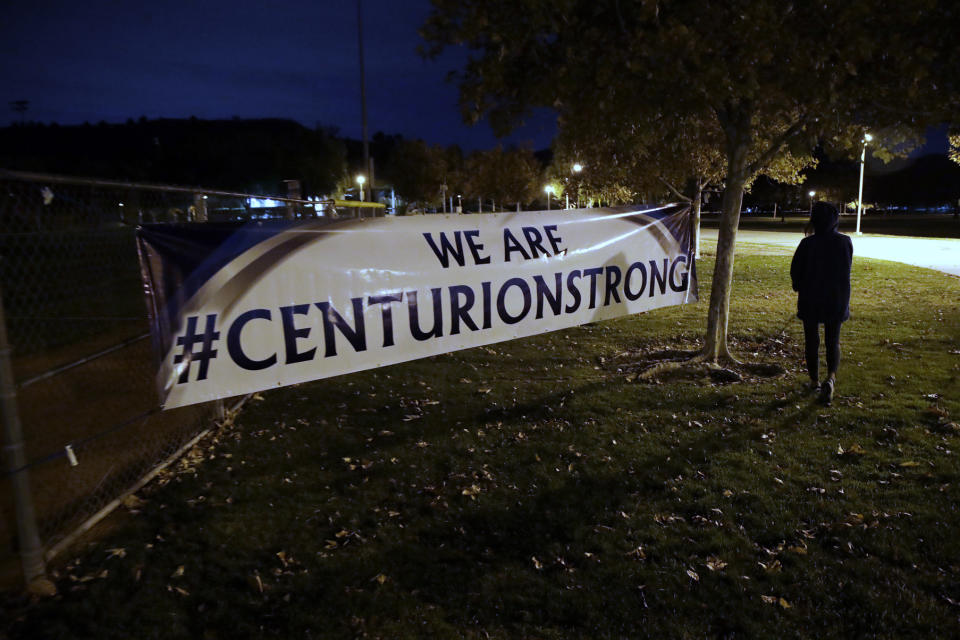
(189, 340)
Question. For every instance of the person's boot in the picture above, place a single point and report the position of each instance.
(826, 391)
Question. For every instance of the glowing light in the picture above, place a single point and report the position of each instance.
(867, 137)
(577, 167)
(813, 193)
(361, 179)
(264, 203)
(548, 188)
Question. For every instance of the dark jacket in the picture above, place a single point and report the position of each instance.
(821, 269)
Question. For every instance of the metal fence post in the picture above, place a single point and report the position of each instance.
(199, 207)
(293, 192)
(31, 550)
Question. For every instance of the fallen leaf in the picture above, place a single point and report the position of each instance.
(853, 450)
(908, 464)
(118, 552)
(693, 575)
(854, 519)
(178, 572)
(536, 563)
(132, 501)
(784, 603)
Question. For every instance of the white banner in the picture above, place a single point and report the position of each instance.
(263, 305)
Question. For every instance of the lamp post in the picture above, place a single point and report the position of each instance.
(549, 191)
(577, 168)
(811, 194)
(360, 180)
(863, 157)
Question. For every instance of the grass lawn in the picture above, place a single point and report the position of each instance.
(537, 489)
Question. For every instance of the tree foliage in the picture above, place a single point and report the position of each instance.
(418, 171)
(506, 177)
(758, 83)
(954, 151)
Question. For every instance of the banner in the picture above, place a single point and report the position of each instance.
(243, 307)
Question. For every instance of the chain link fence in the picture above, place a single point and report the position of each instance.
(82, 361)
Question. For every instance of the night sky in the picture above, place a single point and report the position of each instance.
(113, 60)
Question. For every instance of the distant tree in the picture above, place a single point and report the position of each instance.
(506, 177)
(772, 78)
(653, 157)
(418, 171)
(243, 155)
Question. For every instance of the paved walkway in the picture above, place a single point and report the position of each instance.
(940, 254)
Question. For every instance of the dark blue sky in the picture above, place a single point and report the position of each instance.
(112, 60)
(94, 60)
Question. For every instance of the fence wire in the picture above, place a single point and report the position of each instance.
(77, 324)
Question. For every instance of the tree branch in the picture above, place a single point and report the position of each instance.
(674, 190)
(776, 145)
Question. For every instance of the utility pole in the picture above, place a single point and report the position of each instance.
(363, 96)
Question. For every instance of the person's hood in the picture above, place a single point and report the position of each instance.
(824, 217)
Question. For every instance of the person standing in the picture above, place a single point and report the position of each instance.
(820, 272)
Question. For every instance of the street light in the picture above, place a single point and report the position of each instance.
(811, 194)
(549, 190)
(360, 180)
(863, 157)
(577, 168)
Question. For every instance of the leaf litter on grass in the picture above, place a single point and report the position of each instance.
(598, 508)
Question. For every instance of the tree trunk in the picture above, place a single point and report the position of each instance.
(697, 198)
(715, 342)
